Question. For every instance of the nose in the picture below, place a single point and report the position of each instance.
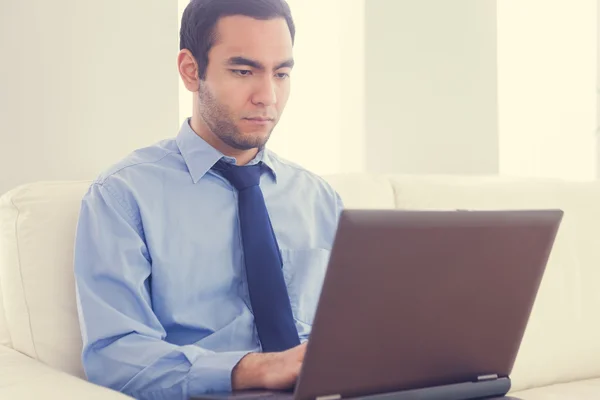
(265, 92)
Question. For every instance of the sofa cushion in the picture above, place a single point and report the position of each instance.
(579, 390)
(5, 339)
(561, 340)
(37, 273)
(24, 378)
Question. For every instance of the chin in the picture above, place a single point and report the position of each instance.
(256, 139)
(249, 142)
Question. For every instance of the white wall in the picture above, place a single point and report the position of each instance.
(185, 97)
(309, 131)
(82, 84)
(353, 127)
(431, 94)
(547, 80)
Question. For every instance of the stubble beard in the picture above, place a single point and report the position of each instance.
(217, 118)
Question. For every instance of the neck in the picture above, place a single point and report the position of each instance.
(242, 157)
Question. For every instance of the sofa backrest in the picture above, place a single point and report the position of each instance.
(562, 340)
(37, 228)
(6, 237)
(363, 190)
(38, 313)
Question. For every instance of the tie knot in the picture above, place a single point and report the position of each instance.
(241, 177)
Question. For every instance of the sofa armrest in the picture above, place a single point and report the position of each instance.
(22, 377)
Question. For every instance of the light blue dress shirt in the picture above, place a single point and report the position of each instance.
(162, 296)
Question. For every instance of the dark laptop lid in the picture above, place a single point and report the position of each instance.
(416, 299)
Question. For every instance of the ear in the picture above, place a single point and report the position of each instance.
(188, 70)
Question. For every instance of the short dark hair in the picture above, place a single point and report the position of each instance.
(200, 17)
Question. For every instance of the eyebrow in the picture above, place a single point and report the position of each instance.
(238, 61)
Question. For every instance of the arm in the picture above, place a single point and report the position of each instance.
(124, 347)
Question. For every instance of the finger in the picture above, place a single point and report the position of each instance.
(302, 354)
(300, 348)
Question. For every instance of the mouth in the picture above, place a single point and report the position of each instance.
(259, 120)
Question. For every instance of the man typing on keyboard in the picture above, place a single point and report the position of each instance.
(199, 259)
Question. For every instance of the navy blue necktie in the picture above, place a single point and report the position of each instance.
(268, 293)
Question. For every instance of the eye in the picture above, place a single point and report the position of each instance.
(283, 75)
(242, 72)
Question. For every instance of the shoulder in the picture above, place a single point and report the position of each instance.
(127, 180)
(139, 161)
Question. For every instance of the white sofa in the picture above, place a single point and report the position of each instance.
(559, 358)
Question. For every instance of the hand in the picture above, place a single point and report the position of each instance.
(271, 371)
(283, 369)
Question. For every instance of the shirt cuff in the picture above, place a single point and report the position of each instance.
(211, 373)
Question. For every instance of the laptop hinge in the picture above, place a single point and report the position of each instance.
(330, 397)
(489, 377)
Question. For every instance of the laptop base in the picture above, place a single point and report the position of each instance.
(485, 390)
(492, 389)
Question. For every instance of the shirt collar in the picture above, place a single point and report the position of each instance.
(199, 156)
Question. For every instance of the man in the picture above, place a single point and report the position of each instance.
(199, 260)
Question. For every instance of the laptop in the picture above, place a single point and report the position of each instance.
(423, 305)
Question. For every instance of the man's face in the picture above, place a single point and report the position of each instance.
(247, 81)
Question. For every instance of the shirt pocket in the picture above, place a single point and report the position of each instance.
(304, 271)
